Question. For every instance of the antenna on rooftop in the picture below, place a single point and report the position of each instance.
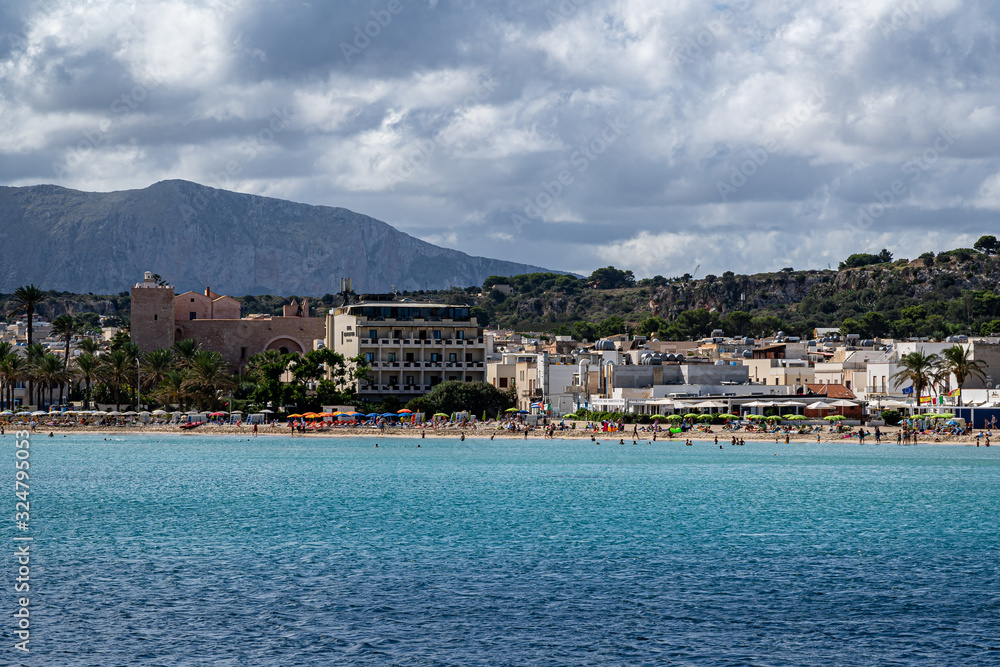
(695, 274)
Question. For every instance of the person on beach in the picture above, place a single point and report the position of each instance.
(878, 436)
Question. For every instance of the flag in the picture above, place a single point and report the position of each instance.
(926, 399)
(954, 394)
(537, 405)
(908, 390)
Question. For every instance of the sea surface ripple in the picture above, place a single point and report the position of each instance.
(207, 551)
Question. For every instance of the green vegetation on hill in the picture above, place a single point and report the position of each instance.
(935, 295)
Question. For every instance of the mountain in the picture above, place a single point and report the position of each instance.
(195, 236)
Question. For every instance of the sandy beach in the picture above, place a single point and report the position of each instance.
(486, 430)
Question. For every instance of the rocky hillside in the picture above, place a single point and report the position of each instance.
(195, 236)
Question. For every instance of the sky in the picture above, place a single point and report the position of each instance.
(662, 137)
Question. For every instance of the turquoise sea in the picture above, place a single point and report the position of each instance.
(202, 550)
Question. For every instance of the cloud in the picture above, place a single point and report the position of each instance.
(656, 136)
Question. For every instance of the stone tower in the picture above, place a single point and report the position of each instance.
(152, 314)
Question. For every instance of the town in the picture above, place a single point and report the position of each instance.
(388, 349)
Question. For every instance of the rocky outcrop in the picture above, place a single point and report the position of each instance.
(195, 236)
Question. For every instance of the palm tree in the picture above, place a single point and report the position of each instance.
(155, 365)
(50, 372)
(207, 376)
(66, 327)
(171, 389)
(117, 370)
(33, 354)
(25, 299)
(919, 368)
(957, 360)
(14, 369)
(91, 345)
(185, 350)
(87, 367)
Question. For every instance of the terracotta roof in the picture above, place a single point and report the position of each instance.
(831, 390)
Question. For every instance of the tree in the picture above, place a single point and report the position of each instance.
(185, 350)
(737, 322)
(51, 373)
(957, 360)
(87, 367)
(13, 369)
(66, 327)
(155, 365)
(90, 345)
(611, 326)
(117, 369)
(584, 331)
(207, 375)
(865, 259)
(611, 278)
(919, 369)
(987, 245)
(171, 389)
(25, 299)
(454, 396)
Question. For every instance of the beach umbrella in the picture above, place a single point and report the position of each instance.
(295, 416)
(819, 405)
(756, 417)
(115, 413)
(217, 414)
(773, 418)
(691, 415)
(99, 412)
(710, 404)
(373, 414)
(841, 403)
(6, 412)
(265, 411)
(38, 413)
(160, 412)
(404, 411)
(311, 415)
(796, 417)
(441, 414)
(727, 415)
(834, 418)
(673, 418)
(511, 410)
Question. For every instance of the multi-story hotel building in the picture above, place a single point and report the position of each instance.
(410, 346)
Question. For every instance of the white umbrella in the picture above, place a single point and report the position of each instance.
(130, 413)
(758, 404)
(711, 404)
(791, 404)
(819, 405)
(98, 412)
(267, 412)
(114, 413)
(841, 403)
(38, 413)
(160, 412)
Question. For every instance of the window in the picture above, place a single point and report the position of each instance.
(460, 335)
(243, 353)
(372, 333)
(392, 357)
(393, 379)
(192, 300)
(409, 381)
(193, 316)
(452, 357)
(435, 356)
(369, 357)
(503, 383)
(437, 334)
(156, 317)
(398, 333)
(452, 378)
(409, 357)
(468, 356)
(423, 335)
